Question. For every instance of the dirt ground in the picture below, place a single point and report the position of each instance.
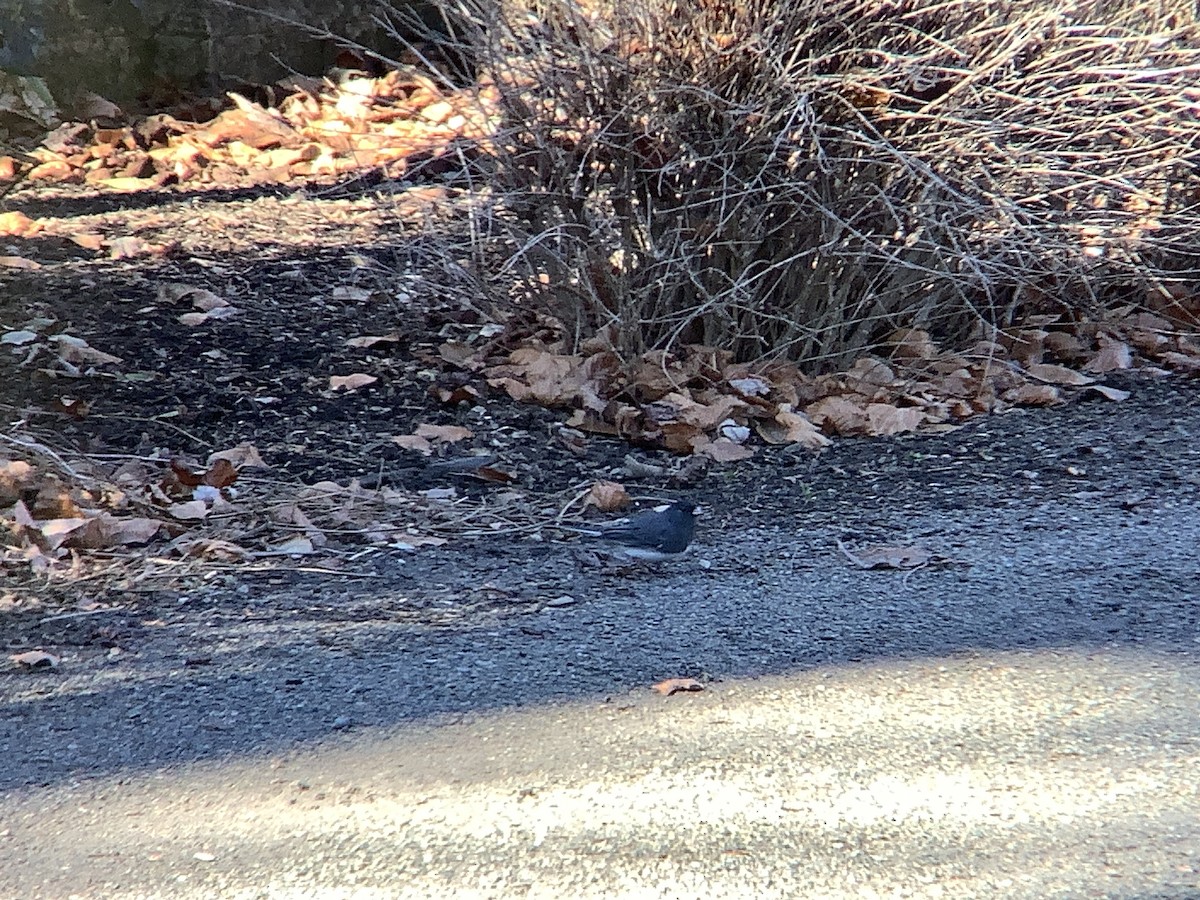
(308, 271)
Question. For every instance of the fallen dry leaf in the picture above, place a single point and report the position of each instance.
(790, 427)
(191, 511)
(1026, 346)
(92, 106)
(1112, 356)
(869, 373)
(413, 442)
(456, 353)
(128, 185)
(452, 396)
(20, 515)
(206, 301)
(608, 496)
(657, 374)
(1052, 374)
(53, 501)
(39, 563)
(1181, 361)
(297, 545)
(1109, 393)
(70, 406)
(413, 541)
(635, 468)
(572, 439)
(372, 340)
(76, 350)
(193, 319)
(350, 382)
(35, 659)
(88, 240)
(547, 378)
(243, 456)
(132, 247)
(99, 534)
(491, 473)
(16, 477)
(19, 262)
(722, 450)
(703, 416)
(882, 557)
(1034, 395)
(678, 685)
(292, 514)
(424, 437)
(839, 414)
(184, 475)
(17, 224)
(132, 531)
(55, 532)
(174, 291)
(209, 548)
(884, 419)
(443, 434)
(910, 344)
(350, 292)
(1064, 346)
(222, 473)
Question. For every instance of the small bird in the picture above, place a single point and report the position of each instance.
(654, 535)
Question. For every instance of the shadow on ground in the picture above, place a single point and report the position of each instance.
(1071, 528)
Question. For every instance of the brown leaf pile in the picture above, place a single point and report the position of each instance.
(55, 514)
(317, 129)
(48, 514)
(698, 401)
(50, 509)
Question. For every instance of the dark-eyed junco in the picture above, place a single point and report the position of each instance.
(654, 535)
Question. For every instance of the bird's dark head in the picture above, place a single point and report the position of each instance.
(687, 505)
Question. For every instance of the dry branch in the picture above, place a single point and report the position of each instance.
(802, 178)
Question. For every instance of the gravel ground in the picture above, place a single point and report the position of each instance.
(1019, 718)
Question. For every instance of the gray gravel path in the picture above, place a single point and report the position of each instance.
(1021, 720)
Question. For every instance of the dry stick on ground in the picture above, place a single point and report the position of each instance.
(78, 614)
(41, 450)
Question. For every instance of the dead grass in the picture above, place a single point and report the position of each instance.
(799, 179)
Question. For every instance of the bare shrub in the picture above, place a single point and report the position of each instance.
(800, 178)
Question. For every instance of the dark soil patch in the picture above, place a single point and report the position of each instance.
(263, 375)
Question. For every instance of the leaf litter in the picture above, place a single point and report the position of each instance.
(694, 401)
(215, 514)
(697, 400)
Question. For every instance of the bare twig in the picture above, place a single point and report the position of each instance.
(41, 450)
(800, 179)
(81, 613)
